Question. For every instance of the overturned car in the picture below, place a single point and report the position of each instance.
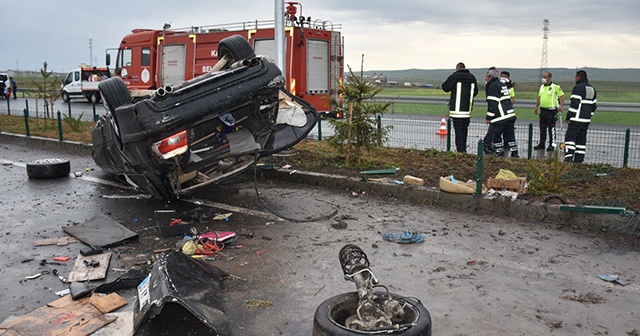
(198, 132)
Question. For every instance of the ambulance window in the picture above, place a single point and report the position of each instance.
(76, 74)
(146, 57)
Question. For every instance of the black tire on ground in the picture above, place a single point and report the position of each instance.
(48, 168)
(340, 307)
(65, 97)
(236, 47)
(114, 93)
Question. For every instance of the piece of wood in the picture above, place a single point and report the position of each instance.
(107, 303)
(61, 241)
(82, 272)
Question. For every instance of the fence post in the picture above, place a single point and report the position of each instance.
(448, 134)
(530, 141)
(627, 139)
(8, 107)
(60, 126)
(379, 121)
(479, 168)
(26, 103)
(94, 112)
(69, 106)
(26, 122)
(319, 127)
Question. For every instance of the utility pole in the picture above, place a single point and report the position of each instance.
(279, 36)
(544, 59)
(91, 52)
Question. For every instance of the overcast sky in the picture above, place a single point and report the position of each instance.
(392, 34)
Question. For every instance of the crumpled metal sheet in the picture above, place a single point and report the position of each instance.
(179, 285)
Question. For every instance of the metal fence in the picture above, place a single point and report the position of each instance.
(617, 146)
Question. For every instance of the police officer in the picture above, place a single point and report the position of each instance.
(548, 96)
(583, 105)
(463, 87)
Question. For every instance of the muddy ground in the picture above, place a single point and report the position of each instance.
(476, 274)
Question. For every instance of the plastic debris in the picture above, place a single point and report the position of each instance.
(61, 258)
(404, 237)
(614, 279)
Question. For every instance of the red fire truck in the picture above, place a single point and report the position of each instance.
(149, 59)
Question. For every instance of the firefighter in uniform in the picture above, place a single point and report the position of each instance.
(463, 87)
(548, 96)
(583, 105)
(500, 114)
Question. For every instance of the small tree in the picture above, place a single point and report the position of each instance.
(360, 131)
(48, 90)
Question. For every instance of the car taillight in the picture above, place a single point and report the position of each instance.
(171, 146)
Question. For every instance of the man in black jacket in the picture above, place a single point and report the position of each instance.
(500, 114)
(583, 105)
(463, 87)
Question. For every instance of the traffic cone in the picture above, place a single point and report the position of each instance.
(443, 127)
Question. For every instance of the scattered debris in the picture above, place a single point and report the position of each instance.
(139, 196)
(177, 279)
(101, 231)
(62, 241)
(63, 316)
(84, 270)
(223, 216)
(614, 279)
(585, 298)
(341, 225)
(404, 237)
(253, 303)
(31, 277)
(107, 303)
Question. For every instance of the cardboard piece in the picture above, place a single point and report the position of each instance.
(83, 272)
(518, 185)
(107, 303)
(60, 317)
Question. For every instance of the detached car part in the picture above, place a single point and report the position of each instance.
(201, 131)
(48, 168)
(366, 311)
(177, 289)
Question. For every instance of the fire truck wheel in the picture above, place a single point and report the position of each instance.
(235, 46)
(48, 168)
(114, 93)
(331, 315)
(65, 97)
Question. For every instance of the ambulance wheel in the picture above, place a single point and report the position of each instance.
(48, 168)
(235, 46)
(65, 97)
(332, 314)
(114, 93)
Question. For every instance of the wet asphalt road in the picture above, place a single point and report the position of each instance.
(476, 274)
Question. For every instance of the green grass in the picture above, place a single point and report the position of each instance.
(601, 117)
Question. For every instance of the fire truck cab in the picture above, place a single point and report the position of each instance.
(149, 59)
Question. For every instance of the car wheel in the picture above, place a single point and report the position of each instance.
(114, 93)
(331, 315)
(94, 97)
(236, 47)
(48, 168)
(65, 97)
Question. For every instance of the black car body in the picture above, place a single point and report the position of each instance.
(201, 131)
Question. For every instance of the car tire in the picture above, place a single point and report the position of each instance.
(236, 47)
(114, 93)
(65, 97)
(48, 168)
(94, 97)
(336, 307)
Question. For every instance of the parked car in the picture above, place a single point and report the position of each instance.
(202, 131)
